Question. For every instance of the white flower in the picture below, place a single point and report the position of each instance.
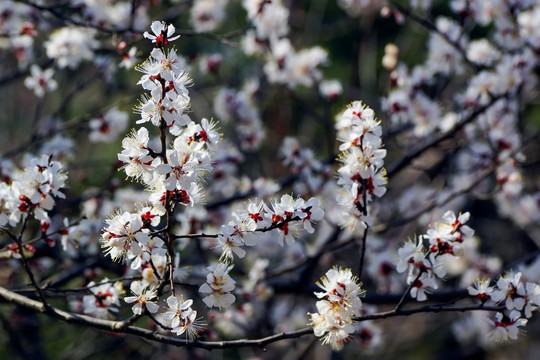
(40, 81)
(330, 89)
(230, 245)
(481, 289)
(182, 318)
(506, 327)
(162, 33)
(143, 297)
(108, 126)
(207, 15)
(136, 154)
(311, 213)
(123, 236)
(422, 286)
(104, 299)
(507, 291)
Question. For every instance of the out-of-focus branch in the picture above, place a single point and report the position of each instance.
(430, 26)
(436, 202)
(401, 163)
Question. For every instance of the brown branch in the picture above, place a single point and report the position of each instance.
(429, 309)
(265, 229)
(126, 327)
(362, 251)
(45, 236)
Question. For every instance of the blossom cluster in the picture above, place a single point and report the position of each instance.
(104, 299)
(127, 234)
(171, 175)
(313, 173)
(519, 297)
(31, 191)
(218, 286)
(362, 174)
(286, 217)
(459, 125)
(334, 320)
(182, 318)
(425, 264)
(231, 105)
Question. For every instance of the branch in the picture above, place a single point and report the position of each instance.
(53, 10)
(120, 326)
(430, 26)
(429, 309)
(401, 163)
(124, 327)
(436, 202)
(265, 229)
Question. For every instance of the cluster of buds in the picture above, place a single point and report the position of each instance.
(339, 305)
(426, 264)
(362, 174)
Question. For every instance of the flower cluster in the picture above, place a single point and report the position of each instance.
(32, 191)
(219, 286)
(104, 299)
(286, 218)
(69, 46)
(459, 124)
(230, 104)
(112, 13)
(313, 173)
(362, 174)
(425, 264)
(182, 318)
(339, 305)
(519, 297)
(125, 236)
(287, 66)
(172, 173)
(270, 19)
